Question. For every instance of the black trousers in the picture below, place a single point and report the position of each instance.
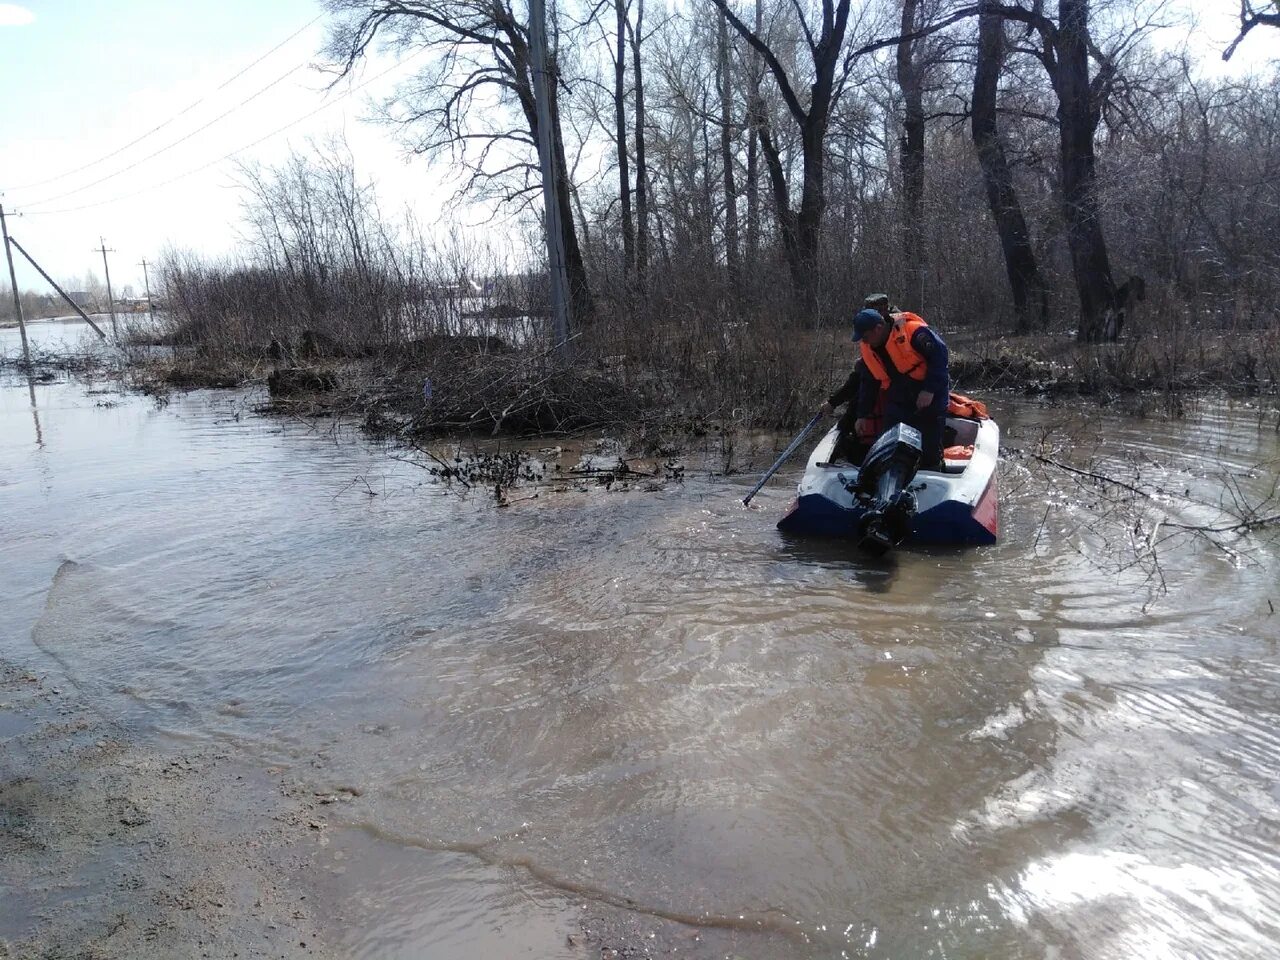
(849, 447)
(929, 421)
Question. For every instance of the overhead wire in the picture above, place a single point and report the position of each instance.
(228, 156)
(243, 103)
(177, 116)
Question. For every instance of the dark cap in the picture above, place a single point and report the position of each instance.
(877, 301)
(865, 321)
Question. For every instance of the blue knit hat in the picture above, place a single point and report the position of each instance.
(865, 322)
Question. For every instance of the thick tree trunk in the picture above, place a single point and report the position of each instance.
(575, 268)
(813, 202)
(581, 302)
(781, 200)
(620, 116)
(707, 214)
(726, 155)
(1030, 292)
(800, 229)
(642, 170)
(911, 155)
(1078, 117)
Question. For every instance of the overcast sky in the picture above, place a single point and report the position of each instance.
(82, 79)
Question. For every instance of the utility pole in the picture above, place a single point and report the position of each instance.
(17, 300)
(550, 182)
(111, 300)
(147, 283)
(13, 242)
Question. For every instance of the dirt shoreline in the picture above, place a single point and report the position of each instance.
(455, 387)
(114, 848)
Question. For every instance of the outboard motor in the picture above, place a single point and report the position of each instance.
(882, 490)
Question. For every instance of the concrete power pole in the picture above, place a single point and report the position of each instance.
(17, 300)
(146, 282)
(111, 300)
(550, 183)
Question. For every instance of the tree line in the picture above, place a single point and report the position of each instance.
(39, 304)
(995, 162)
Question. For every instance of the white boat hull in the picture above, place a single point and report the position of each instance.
(955, 506)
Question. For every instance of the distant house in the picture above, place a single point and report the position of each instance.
(81, 298)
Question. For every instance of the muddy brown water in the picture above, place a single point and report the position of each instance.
(654, 704)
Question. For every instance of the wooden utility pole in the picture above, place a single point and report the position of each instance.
(550, 181)
(111, 300)
(13, 242)
(147, 283)
(17, 300)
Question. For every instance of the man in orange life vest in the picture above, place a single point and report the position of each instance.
(907, 363)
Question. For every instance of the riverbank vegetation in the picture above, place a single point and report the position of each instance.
(735, 182)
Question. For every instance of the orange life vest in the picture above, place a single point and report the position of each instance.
(962, 406)
(898, 346)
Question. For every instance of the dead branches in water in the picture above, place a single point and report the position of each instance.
(542, 470)
(1132, 514)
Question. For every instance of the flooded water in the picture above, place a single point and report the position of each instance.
(651, 702)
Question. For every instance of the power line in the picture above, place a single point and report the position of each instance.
(245, 102)
(176, 116)
(111, 299)
(239, 150)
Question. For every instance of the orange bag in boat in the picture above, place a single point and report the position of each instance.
(958, 453)
(962, 406)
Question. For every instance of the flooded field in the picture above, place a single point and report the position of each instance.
(315, 690)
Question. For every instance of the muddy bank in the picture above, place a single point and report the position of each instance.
(112, 849)
(466, 388)
(480, 386)
(115, 848)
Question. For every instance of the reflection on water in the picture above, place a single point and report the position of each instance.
(655, 702)
(60, 335)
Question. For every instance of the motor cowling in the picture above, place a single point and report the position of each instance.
(881, 488)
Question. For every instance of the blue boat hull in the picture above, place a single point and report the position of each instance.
(958, 505)
(950, 522)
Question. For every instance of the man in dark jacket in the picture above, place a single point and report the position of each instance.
(907, 366)
(851, 446)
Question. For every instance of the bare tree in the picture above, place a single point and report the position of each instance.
(480, 61)
(1251, 17)
(755, 120)
(800, 227)
(724, 87)
(1065, 49)
(910, 69)
(620, 114)
(642, 167)
(1029, 289)
(680, 138)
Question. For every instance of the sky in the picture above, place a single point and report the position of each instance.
(83, 79)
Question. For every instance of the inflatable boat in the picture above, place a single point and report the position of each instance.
(886, 501)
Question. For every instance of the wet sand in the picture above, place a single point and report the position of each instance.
(111, 849)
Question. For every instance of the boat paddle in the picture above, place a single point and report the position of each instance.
(791, 448)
